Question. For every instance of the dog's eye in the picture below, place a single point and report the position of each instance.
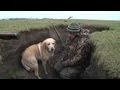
(48, 43)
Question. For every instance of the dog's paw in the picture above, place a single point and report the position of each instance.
(39, 77)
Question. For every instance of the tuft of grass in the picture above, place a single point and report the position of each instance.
(107, 51)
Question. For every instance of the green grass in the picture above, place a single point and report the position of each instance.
(107, 51)
(18, 25)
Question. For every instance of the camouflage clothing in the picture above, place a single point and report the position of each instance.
(73, 55)
(74, 50)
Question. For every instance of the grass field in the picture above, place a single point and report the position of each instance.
(107, 42)
(107, 51)
(18, 25)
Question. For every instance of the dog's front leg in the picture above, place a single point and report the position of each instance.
(44, 63)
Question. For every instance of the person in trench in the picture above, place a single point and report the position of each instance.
(74, 56)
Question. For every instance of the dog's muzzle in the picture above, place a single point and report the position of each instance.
(51, 49)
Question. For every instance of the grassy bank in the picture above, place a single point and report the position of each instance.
(107, 51)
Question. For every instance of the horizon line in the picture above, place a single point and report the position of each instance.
(56, 18)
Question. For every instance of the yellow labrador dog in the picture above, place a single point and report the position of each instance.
(41, 51)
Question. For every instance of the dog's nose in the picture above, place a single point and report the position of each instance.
(52, 49)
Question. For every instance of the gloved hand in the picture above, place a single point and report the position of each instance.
(59, 66)
(69, 73)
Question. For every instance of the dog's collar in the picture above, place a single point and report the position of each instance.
(39, 49)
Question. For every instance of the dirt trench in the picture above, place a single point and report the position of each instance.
(11, 50)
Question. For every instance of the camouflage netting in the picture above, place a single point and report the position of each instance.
(11, 53)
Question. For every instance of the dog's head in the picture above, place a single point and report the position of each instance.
(49, 44)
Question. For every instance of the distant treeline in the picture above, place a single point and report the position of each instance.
(19, 19)
(24, 18)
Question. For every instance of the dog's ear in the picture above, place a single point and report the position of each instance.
(44, 45)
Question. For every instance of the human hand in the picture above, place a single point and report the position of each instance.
(59, 66)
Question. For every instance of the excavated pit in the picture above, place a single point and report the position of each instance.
(11, 50)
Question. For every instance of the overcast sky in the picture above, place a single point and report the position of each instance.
(99, 15)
